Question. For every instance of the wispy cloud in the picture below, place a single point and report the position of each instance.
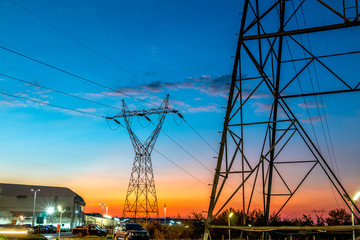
(90, 110)
(181, 103)
(311, 105)
(14, 103)
(95, 95)
(312, 119)
(262, 107)
(209, 108)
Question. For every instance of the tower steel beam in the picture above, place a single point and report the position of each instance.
(261, 47)
(302, 31)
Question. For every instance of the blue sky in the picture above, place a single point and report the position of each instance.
(146, 49)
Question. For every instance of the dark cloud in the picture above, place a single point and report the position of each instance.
(159, 86)
(214, 87)
(204, 84)
(218, 87)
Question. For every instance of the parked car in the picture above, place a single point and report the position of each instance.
(39, 229)
(90, 229)
(50, 228)
(130, 231)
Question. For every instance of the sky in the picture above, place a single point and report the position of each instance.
(146, 50)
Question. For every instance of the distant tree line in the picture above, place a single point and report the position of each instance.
(193, 228)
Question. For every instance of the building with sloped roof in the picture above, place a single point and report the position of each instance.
(18, 202)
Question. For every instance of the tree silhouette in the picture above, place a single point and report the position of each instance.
(338, 216)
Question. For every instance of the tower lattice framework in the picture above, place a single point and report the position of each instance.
(141, 200)
(274, 63)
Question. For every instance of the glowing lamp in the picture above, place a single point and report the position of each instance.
(357, 196)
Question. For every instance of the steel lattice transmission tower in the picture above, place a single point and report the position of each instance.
(275, 65)
(141, 200)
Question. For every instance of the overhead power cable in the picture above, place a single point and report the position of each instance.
(312, 84)
(183, 169)
(321, 101)
(73, 38)
(57, 91)
(74, 75)
(52, 105)
(200, 136)
(197, 179)
(321, 121)
(192, 156)
(182, 117)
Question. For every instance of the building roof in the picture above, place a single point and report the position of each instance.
(8, 189)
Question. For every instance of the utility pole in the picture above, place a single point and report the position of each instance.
(165, 214)
(34, 212)
(102, 212)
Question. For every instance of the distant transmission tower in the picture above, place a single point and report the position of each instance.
(274, 65)
(141, 200)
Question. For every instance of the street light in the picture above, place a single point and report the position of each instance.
(102, 212)
(165, 214)
(50, 211)
(33, 220)
(230, 215)
(61, 212)
(357, 196)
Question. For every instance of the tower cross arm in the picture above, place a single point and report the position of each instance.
(145, 112)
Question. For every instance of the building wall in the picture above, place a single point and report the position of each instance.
(17, 201)
(102, 222)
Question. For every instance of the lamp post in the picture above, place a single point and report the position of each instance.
(230, 215)
(165, 214)
(61, 212)
(102, 212)
(33, 190)
(357, 196)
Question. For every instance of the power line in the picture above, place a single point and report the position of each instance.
(200, 136)
(57, 91)
(96, 115)
(182, 117)
(192, 156)
(74, 75)
(52, 105)
(180, 167)
(323, 108)
(72, 37)
(183, 169)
